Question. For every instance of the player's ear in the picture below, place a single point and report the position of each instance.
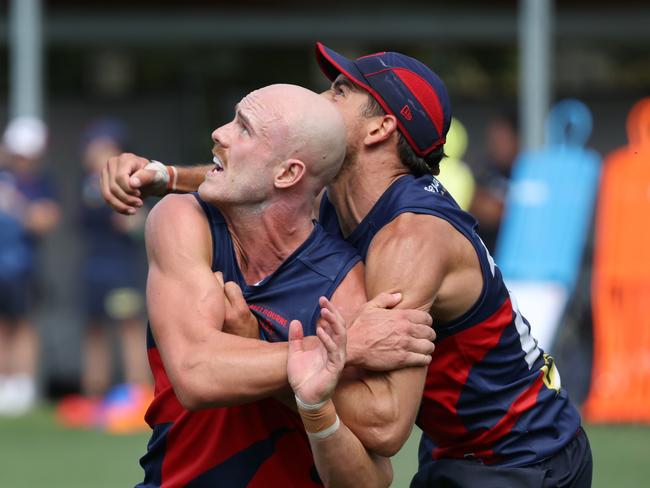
(288, 173)
(379, 129)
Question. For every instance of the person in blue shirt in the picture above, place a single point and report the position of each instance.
(29, 211)
(112, 271)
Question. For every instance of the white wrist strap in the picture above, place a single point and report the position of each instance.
(174, 178)
(309, 406)
(324, 434)
(161, 177)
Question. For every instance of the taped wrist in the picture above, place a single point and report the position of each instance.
(320, 422)
(165, 177)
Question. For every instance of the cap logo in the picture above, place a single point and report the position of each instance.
(406, 112)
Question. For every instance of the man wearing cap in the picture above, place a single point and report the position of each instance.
(493, 411)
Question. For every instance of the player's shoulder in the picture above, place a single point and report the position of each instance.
(425, 230)
(178, 220)
(175, 210)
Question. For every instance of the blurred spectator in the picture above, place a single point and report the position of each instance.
(493, 176)
(112, 272)
(28, 211)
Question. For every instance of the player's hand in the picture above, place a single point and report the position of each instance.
(238, 319)
(314, 367)
(124, 182)
(382, 338)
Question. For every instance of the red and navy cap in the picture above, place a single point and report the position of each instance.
(404, 87)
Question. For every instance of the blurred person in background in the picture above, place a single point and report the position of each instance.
(493, 175)
(112, 271)
(28, 212)
(113, 295)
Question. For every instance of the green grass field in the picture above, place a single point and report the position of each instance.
(35, 452)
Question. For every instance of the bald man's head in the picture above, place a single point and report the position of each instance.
(283, 137)
(308, 126)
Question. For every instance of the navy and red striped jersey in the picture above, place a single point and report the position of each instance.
(259, 444)
(491, 393)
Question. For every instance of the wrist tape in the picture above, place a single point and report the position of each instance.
(320, 422)
(166, 176)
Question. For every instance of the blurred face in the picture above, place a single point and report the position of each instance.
(98, 151)
(244, 154)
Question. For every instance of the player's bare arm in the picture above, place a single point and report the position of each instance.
(206, 366)
(313, 370)
(412, 255)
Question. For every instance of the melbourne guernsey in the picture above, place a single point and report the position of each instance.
(491, 393)
(258, 444)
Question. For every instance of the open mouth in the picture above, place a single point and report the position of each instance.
(218, 164)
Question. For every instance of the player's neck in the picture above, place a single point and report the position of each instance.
(264, 239)
(358, 187)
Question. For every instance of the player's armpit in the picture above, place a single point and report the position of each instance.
(206, 366)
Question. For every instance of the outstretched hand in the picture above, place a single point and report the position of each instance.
(314, 366)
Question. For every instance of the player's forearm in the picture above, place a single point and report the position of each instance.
(188, 178)
(343, 461)
(380, 408)
(228, 370)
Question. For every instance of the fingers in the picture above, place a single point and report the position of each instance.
(415, 359)
(236, 301)
(334, 326)
(385, 300)
(333, 315)
(142, 178)
(334, 345)
(219, 276)
(418, 317)
(330, 346)
(105, 182)
(115, 185)
(419, 331)
(295, 336)
(421, 346)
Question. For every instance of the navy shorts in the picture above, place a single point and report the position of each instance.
(15, 297)
(571, 467)
(108, 302)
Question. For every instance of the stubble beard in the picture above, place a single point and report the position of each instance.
(349, 162)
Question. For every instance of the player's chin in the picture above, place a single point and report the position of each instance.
(208, 190)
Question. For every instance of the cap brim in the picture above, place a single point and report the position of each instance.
(333, 64)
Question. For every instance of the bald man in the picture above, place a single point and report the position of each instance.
(213, 419)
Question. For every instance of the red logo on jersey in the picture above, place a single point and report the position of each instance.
(406, 112)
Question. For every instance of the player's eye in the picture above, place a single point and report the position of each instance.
(242, 127)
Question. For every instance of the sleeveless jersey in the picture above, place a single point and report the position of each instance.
(259, 444)
(491, 393)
